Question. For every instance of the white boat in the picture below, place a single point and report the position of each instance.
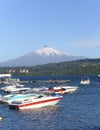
(11, 97)
(37, 101)
(63, 89)
(58, 89)
(85, 81)
(99, 77)
(16, 90)
(12, 86)
(69, 89)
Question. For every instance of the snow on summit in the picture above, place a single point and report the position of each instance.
(42, 56)
(48, 51)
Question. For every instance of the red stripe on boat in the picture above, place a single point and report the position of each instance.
(39, 102)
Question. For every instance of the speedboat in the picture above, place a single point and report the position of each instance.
(12, 86)
(16, 90)
(69, 89)
(63, 89)
(36, 101)
(58, 89)
(85, 81)
(12, 97)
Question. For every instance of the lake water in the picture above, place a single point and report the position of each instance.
(76, 111)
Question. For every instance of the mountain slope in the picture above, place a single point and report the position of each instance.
(41, 56)
(48, 51)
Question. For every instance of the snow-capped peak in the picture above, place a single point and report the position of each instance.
(48, 51)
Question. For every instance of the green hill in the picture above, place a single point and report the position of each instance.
(87, 66)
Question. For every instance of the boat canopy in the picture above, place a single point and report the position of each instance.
(5, 75)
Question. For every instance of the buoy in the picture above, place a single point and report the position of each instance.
(0, 118)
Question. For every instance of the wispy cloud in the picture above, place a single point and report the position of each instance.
(93, 42)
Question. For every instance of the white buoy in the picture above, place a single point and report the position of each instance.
(0, 118)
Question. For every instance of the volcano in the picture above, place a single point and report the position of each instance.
(41, 56)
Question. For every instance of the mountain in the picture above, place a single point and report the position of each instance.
(43, 55)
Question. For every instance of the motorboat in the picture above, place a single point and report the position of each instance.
(11, 97)
(58, 89)
(12, 86)
(36, 101)
(99, 77)
(63, 89)
(85, 81)
(69, 89)
(16, 90)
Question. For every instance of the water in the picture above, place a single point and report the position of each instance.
(77, 111)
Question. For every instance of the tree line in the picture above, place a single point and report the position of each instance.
(87, 66)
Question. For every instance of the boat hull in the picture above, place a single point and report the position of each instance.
(36, 104)
(85, 82)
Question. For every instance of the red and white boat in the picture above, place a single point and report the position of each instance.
(37, 101)
(63, 89)
(58, 89)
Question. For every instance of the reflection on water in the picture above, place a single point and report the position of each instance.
(45, 110)
(41, 118)
(30, 119)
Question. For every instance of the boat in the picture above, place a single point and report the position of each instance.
(58, 89)
(16, 90)
(7, 79)
(12, 86)
(99, 77)
(69, 89)
(57, 81)
(4, 78)
(11, 97)
(65, 89)
(85, 81)
(36, 101)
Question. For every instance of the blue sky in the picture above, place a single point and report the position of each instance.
(72, 26)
